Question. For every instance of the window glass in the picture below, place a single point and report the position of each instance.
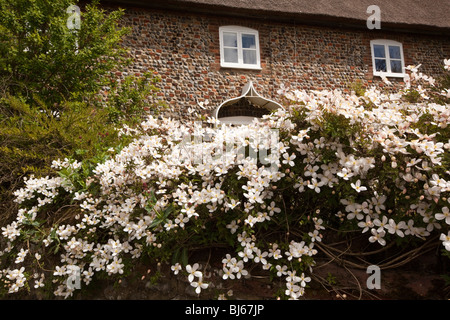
(394, 52)
(230, 55)
(396, 66)
(248, 41)
(249, 56)
(230, 39)
(378, 51)
(380, 65)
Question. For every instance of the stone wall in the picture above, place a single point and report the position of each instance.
(183, 49)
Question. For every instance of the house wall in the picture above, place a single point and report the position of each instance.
(183, 49)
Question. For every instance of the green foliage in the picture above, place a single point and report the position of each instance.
(412, 96)
(41, 59)
(331, 280)
(358, 88)
(128, 99)
(31, 137)
(52, 90)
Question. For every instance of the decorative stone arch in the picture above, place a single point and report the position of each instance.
(243, 109)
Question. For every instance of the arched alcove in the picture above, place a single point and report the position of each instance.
(243, 109)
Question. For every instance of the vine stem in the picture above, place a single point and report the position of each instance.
(358, 253)
(392, 263)
(37, 261)
(287, 221)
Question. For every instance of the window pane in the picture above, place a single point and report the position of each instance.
(248, 41)
(396, 66)
(394, 52)
(378, 51)
(230, 55)
(380, 65)
(230, 39)
(249, 56)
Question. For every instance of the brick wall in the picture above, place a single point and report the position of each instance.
(183, 49)
(243, 107)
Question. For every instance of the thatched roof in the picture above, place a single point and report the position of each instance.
(417, 15)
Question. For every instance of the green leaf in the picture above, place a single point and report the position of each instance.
(161, 217)
(184, 256)
(176, 256)
(156, 222)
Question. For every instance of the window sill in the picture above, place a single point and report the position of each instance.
(240, 66)
(390, 75)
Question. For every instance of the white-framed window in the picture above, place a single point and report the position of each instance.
(239, 48)
(387, 58)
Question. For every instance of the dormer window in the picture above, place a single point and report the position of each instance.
(239, 48)
(387, 58)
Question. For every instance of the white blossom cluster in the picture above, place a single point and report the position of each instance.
(174, 177)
